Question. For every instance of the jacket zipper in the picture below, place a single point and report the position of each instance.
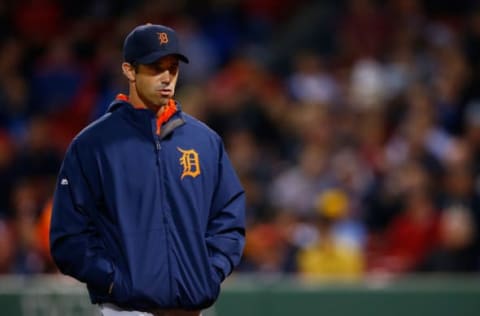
(158, 147)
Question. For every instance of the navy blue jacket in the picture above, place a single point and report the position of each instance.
(161, 217)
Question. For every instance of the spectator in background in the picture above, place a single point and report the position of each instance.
(412, 234)
(8, 247)
(449, 86)
(458, 195)
(418, 137)
(310, 81)
(14, 89)
(265, 250)
(311, 125)
(295, 189)
(37, 157)
(27, 257)
(109, 79)
(364, 30)
(335, 254)
(197, 45)
(353, 177)
(456, 251)
(234, 102)
(471, 49)
(472, 136)
(57, 77)
(28, 15)
(367, 87)
(7, 174)
(42, 236)
(254, 170)
(371, 134)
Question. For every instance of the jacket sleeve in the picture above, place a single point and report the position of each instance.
(75, 244)
(226, 227)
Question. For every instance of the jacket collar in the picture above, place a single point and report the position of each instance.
(143, 117)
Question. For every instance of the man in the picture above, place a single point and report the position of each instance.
(148, 211)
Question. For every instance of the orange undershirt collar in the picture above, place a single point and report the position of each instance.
(167, 113)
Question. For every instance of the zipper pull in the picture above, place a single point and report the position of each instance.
(158, 145)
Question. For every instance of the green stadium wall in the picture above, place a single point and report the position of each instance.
(261, 296)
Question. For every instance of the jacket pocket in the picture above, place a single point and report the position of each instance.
(149, 280)
(196, 286)
(114, 290)
(100, 274)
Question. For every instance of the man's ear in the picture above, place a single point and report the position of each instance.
(128, 71)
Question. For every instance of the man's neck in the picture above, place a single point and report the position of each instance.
(139, 104)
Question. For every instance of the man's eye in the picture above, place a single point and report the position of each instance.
(161, 68)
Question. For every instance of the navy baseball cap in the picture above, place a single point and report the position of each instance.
(147, 43)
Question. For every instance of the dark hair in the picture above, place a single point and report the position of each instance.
(135, 66)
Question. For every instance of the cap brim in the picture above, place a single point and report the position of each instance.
(153, 57)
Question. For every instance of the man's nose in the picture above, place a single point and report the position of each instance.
(165, 76)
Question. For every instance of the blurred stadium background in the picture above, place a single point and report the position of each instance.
(354, 126)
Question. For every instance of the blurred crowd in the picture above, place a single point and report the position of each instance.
(354, 125)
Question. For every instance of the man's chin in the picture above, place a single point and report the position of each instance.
(160, 102)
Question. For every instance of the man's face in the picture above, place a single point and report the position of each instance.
(155, 83)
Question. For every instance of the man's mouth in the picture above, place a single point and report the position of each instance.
(164, 92)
